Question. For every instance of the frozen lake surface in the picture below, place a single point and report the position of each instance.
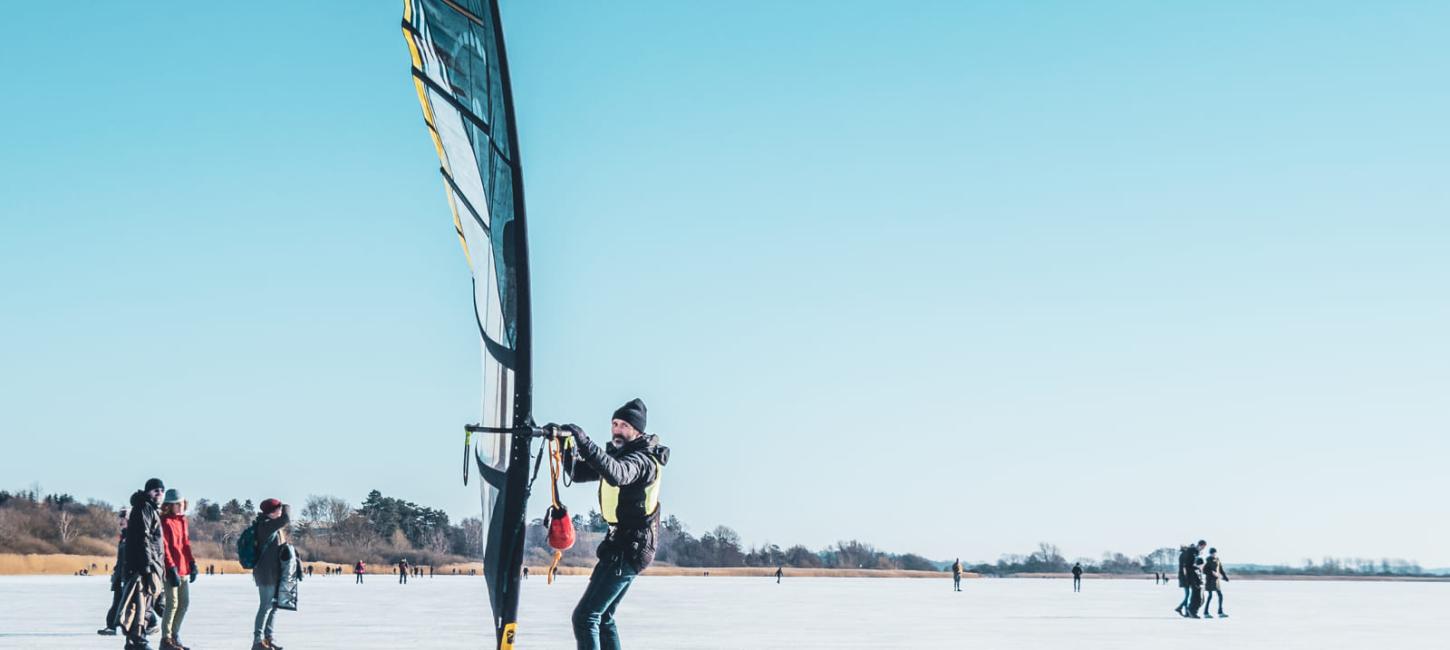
(684, 613)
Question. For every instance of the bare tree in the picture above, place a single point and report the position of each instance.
(67, 526)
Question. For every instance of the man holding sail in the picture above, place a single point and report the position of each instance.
(628, 471)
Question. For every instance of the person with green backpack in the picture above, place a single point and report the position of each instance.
(259, 548)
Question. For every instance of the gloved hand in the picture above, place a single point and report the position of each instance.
(193, 573)
(572, 430)
(172, 580)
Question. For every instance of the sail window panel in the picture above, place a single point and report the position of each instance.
(462, 164)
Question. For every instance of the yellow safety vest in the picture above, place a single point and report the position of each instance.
(609, 497)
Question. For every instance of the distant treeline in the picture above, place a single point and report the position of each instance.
(385, 529)
(1048, 559)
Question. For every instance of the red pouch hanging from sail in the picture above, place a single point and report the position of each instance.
(561, 528)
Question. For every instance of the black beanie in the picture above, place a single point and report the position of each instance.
(155, 484)
(633, 413)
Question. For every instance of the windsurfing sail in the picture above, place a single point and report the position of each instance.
(461, 75)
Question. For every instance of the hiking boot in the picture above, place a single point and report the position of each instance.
(257, 645)
(106, 631)
(272, 645)
(1194, 616)
(143, 644)
(168, 644)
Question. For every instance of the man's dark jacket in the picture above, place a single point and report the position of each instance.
(144, 552)
(1186, 556)
(631, 468)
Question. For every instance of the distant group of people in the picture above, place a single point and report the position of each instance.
(1198, 577)
(151, 582)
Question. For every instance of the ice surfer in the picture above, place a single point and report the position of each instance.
(1213, 571)
(1076, 577)
(628, 471)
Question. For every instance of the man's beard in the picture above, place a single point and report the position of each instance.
(619, 441)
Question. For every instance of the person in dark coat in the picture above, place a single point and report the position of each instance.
(1076, 577)
(957, 575)
(117, 576)
(403, 571)
(1213, 572)
(145, 564)
(1195, 581)
(270, 527)
(1186, 556)
(629, 472)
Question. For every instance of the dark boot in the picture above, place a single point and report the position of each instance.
(272, 645)
(257, 645)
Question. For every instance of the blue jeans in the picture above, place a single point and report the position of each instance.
(266, 612)
(1187, 595)
(593, 619)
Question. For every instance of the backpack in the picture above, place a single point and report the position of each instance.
(247, 547)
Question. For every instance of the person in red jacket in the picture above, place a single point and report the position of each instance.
(359, 569)
(180, 569)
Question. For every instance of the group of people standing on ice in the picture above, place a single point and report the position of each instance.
(1198, 577)
(155, 569)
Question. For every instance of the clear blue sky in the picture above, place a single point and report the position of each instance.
(946, 278)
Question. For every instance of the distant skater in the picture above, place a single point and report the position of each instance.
(957, 575)
(1195, 578)
(779, 573)
(1186, 556)
(1076, 577)
(1213, 571)
(526, 572)
(403, 571)
(358, 570)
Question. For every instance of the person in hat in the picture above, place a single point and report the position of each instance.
(628, 472)
(180, 568)
(271, 530)
(1213, 572)
(145, 563)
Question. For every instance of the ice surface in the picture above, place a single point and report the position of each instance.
(686, 613)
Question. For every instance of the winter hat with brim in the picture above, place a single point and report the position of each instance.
(172, 496)
(632, 412)
(154, 484)
(270, 505)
